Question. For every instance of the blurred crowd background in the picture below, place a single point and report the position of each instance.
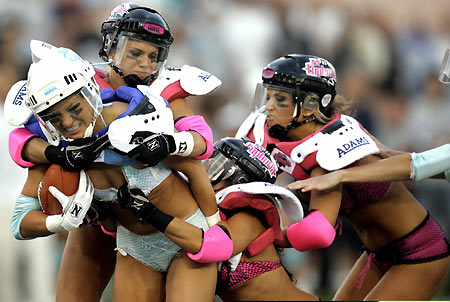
(387, 55)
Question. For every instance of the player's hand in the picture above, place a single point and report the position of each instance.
(98, 211)
(79, 154)
(135, 201)
(76, 206)
(154, 148)
(320, 183)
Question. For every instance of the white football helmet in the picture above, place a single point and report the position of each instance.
(55, 78)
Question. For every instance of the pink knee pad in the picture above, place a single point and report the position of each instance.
(17, 140)
(315, 231)
(197, 123)
(217, 246)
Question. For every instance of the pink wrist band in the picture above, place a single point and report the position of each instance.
(110, 233)
(198, 124)
(17, 140)
(217, 246)
(315, 231)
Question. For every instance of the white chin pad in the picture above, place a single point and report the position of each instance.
(122, 131)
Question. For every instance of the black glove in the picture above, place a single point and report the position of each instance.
(98, 211)
(154, 147)
(79, 154)
(136, 202)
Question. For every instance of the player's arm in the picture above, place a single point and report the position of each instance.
(34, 151)
(27, 149)
(316, 230)
(200, 186)
(211, 246)
(28, 220)
(185, 120)
(416, 166)
(389, 169)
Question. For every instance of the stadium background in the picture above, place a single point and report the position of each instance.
(387, 55)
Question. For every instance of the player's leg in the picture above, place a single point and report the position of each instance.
(188, 280)
(349, 291)
(411, 281)
(87, 265)
(134, 281)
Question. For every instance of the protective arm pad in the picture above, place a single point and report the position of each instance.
(315, 231)
(17, 140)
(24, 204)
(217, 246)
(430, 163)
(197, 123)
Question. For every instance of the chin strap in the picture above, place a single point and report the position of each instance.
(133, 80)
(280, 132)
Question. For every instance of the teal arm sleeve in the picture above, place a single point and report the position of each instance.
(430, 163)
(24, 204)
(447, 175)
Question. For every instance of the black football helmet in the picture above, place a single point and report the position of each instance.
(240, 161)
(136, 22)
(299, 75)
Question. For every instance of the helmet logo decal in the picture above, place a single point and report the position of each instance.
(50, 90)
(257, 152)
(154, 29)
(326, 100)
(204, 76)
(268, 74)
(320, 68)
(69, 54)
(120, 9)
(284, 162)
(20, 95)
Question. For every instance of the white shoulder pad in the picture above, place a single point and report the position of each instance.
(257, 120)
(198, 82)
(123, 133)
(246, 125)
(281, 197)
(41, 50)
(166, 77)
(15, 111)
(339, 148)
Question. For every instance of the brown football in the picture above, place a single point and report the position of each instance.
(64, 180)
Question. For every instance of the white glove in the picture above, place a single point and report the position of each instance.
(74, 207)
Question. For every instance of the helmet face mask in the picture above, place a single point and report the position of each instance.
(141, 24)
(240, 161)
(134, 56)
(308, 79)
(302, 74)
(79, 109)
(282, 97)
(55, 82)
